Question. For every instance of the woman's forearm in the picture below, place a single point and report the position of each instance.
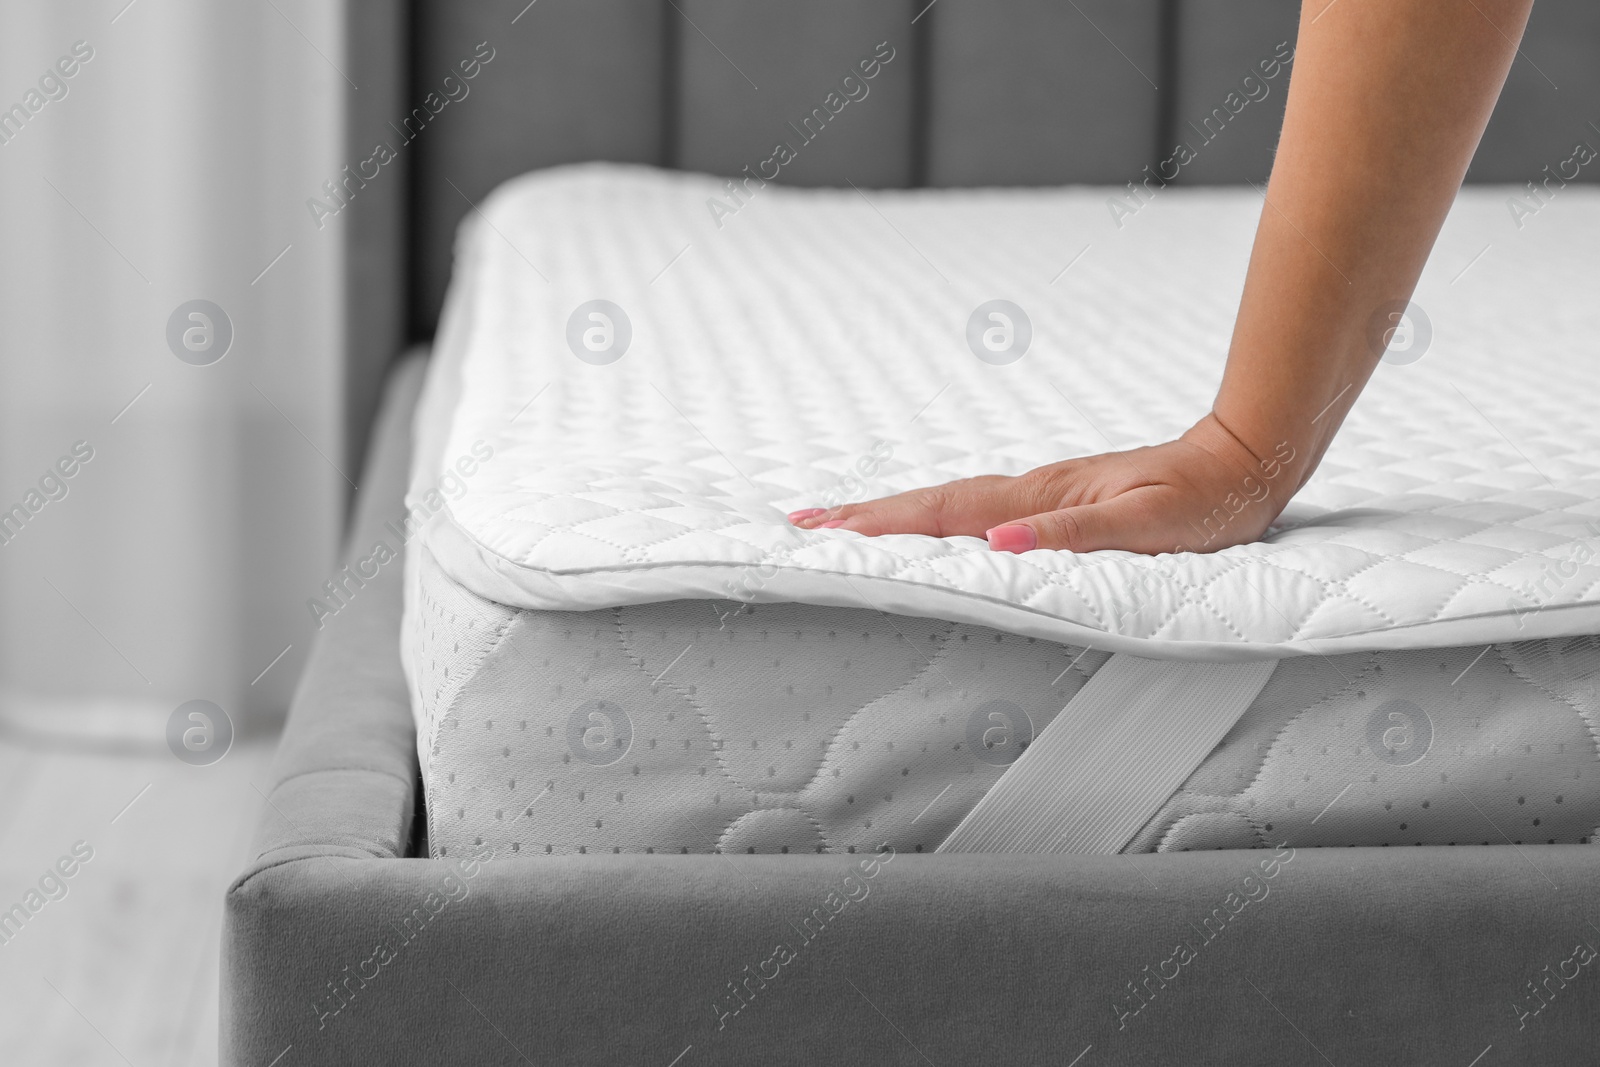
(1387, 103)
(1385, 109)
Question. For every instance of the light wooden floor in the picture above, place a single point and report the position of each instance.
(123, 969)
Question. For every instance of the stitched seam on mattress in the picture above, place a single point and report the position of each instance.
(491, 607)
(1433, 616)
(928, 664)
(1047, 580)
(1078, 670)
(1587, 592)
(1222, 805)
(1475, 580)
(1199, 598)
(1470, 581)
(1327, 587)
(832, 745)
(1259, 829)
(1166, 837)
(829, 745)
(1192, 594)
(699, 712)
(1224, 799)
(429, 789)
(633, 551)
(1195, 594)
(431, 816)
(1364, 672)
(497, 638)
(821, 833)
(1562, 699)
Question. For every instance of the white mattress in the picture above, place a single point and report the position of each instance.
(769, 357)
(813, 347)
(695, 726)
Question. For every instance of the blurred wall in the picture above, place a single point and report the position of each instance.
(173, 164)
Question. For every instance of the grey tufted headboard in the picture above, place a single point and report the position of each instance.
(978, 92)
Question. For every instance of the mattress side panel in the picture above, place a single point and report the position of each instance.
(699, 726)
(695, 726)
(450, 634)
(1476, 745)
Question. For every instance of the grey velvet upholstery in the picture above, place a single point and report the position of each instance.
(1419, 956)
(1217, 44)
(572, 80)
(375, 276)
(1551, 96)
(730, 113)
(1037, 92)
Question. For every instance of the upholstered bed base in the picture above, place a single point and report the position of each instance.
(342, 947)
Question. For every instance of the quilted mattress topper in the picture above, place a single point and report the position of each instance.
(640, 373)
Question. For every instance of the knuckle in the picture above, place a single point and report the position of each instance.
(1067, 529)
(934, 506)
(1043, 488)
(1035, 478)
(935, 499)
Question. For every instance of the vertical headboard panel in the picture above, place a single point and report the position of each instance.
(1228, 123)
(570, 80)
(755, 74)
(1042, 92)
(375, 274)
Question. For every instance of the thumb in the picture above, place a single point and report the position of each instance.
(1118, 523)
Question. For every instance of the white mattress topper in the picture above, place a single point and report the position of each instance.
(812, 348)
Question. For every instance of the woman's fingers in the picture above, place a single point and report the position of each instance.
(964, 508)
(1123, 522)
(1182, 496)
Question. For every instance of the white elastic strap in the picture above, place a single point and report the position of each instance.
(1114, 755)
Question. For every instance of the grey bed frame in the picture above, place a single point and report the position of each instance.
(342, 944)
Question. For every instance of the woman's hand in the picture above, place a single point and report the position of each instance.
(1202, 492)
(1386, 105)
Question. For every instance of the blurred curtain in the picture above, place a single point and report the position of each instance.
(172, 164)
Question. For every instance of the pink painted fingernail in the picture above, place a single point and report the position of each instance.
(805, 513)
(1012, 539)
(834, 525)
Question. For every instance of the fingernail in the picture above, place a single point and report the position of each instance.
(1012, 539)
(834, 525)
(805, 513)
